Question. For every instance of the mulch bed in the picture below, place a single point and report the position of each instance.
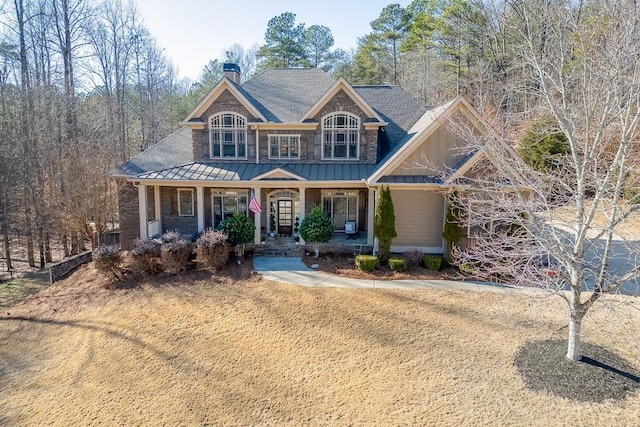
(599, 376)
(345, 266)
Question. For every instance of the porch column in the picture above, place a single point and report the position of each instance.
(158, 206)
(200, 203)
(370, 215)
(303, 206)
(257, 218)
(142, 210)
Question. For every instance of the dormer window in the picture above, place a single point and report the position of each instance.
(340, 136)
(228, 136)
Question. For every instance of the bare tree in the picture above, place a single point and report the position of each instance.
(565, 233)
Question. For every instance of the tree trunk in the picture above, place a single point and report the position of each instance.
(47, 247)
(7, 245)
(65, 245)
(574, 350)
(316, 249)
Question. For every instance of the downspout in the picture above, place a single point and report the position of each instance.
(257, 145)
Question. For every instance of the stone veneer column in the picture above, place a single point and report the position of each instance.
(370, 215)
(257, 218)
(303, 205)
(200, 202)
(142, 210)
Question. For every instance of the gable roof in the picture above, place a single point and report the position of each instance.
(176, 149)
(218, 89)
(341, 84)
(426, 125)
(285, 95)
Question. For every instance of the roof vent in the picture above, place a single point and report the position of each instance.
(231, 71)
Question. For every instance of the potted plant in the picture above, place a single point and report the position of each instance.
(272, 225)
(296, 228)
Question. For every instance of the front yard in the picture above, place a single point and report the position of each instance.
(199, 350)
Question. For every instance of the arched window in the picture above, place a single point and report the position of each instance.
(228, 135)
(340, 136)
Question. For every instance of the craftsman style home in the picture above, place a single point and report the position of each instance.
(293, 139)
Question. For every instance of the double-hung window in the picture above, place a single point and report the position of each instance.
(284, 146)
(340, 136)
(228, 136)
(226, 203)
(185, 201)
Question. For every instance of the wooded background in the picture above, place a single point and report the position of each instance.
(84, 86)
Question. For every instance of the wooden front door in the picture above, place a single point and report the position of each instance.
(285, 217)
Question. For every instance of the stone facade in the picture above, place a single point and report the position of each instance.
(310, 140)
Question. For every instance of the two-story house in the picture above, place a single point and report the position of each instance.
(293, 139)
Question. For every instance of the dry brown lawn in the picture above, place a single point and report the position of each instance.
(203, 351)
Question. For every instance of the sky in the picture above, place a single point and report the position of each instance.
(193, 32)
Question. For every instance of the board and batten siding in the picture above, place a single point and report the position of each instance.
(419, 220)
(440, 151)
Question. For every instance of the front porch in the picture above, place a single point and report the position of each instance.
(192, 209)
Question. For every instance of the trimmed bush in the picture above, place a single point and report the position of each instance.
(212, 249)
(398, 264)
(317, 228)
(240, 231)
(366, 262)
(174, 252)
(145, 258)
(432, 262)
(107, 260)
(413, 256)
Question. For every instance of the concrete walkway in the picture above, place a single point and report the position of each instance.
(295, 272)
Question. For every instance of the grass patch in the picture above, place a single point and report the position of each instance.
(16, 290)
(203, 349)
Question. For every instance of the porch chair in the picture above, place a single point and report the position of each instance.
(350, 229)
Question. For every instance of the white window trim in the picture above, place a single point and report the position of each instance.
(347, 194)
(180, 191)
(334, 129)
(235, 129)
(217, 192)
(279, 137)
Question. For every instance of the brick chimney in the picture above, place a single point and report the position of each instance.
(231, 71)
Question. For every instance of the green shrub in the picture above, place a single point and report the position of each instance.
(145, 258)
(240, 230)
(317, 228)
(467, 267)
(384, 225)
(212, 249)
(107, 260)
(398, 264)
(544, 145)
(432, 262)
(174, 252)
(366, 262)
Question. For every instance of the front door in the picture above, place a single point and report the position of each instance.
(285, 217)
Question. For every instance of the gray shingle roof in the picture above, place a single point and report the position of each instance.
(285, 95)
(176, 149)
(395, 106)
(203, 171)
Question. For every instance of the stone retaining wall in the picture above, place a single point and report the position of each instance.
(60, 270)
